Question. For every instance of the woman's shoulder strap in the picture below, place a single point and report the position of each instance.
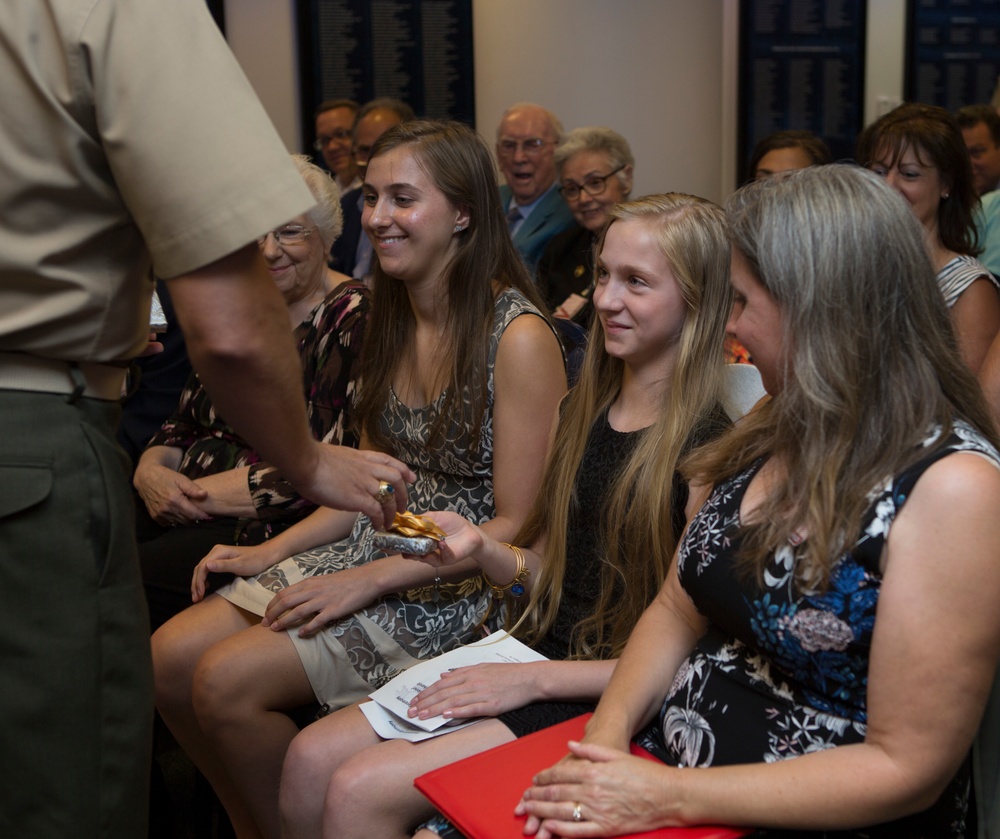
(511, 304)
(963, 437)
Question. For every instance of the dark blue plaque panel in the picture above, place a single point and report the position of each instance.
(419, 51)
(801, 66)
(953, 51)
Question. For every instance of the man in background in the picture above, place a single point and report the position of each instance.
(526, 140)
(126, 136)
(980, 126)
(334, 121)
(352, 253)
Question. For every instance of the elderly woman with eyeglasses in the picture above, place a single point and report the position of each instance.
(594, 167)
(201, 484)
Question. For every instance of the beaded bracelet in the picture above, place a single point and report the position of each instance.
(515, 586)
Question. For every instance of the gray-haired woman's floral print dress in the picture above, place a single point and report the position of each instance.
(780, 672)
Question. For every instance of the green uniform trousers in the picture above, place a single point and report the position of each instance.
(76, 695)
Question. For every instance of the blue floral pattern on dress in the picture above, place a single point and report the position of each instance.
(783, 672)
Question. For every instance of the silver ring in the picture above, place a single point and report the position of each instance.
(385, 492)
(577, 813)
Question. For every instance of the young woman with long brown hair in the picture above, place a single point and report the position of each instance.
(461, 376)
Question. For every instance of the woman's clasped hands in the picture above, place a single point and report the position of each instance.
(171, 497)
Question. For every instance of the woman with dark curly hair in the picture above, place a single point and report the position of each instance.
(787, 151)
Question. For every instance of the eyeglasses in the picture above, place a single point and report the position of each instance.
(291, 234)
(594, 185)
(339, 135)
(531, 147)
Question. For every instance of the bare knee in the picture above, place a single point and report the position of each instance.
(361, 794)
(179, 644)
(307, 769)
(221, 687)
(351, 781)
(174, 660)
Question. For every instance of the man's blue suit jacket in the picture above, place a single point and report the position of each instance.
(344, 253)
(549, 217)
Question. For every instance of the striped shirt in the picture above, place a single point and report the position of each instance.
(958, 274)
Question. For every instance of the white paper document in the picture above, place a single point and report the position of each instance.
(390, 727)
(395, 696)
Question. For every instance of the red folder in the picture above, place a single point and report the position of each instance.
(480, 792)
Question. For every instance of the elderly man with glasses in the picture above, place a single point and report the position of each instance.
(526, 142)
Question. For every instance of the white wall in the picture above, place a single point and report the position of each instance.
(661, 72)
(885, 57)
(262, 35)
(647, 68)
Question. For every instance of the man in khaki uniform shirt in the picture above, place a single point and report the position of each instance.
(129, 141)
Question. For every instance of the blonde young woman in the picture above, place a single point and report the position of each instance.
(598, 542)
(461, 377)
(820, 656)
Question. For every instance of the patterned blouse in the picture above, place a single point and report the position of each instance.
(329, 346)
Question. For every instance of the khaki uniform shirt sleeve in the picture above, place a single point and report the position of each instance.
(198, 162)
(134, 145)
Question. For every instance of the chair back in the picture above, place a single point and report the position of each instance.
(742, 389)
(574, 343)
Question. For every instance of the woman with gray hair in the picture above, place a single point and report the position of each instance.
(594, 167)
(203, 485)
(819, 659)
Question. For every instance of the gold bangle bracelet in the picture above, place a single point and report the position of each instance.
(515, 586)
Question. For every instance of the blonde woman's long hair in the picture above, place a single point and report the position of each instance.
(870, 362)
(636, 535)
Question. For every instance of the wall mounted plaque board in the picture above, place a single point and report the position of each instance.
(801, 66)
(952, 51)
(419, 51)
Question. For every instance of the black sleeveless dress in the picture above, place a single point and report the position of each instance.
(606, 453)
